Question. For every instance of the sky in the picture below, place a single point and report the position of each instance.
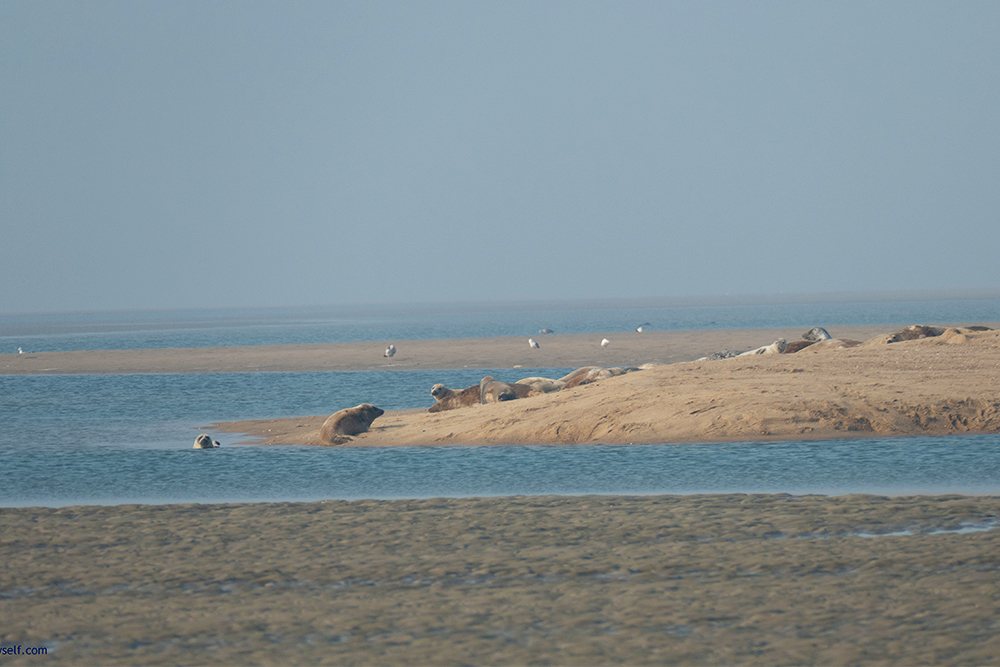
(191, 154)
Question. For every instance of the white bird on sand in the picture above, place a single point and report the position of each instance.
(389, 351)
(605, 342)
(532, 343)
(639, 329)
(20, 351)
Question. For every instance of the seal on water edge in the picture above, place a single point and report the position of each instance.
(545, 331)
(449, 399)
(204, 441)
(349, 421)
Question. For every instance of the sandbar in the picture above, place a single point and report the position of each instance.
(557, 350)
(932, 386)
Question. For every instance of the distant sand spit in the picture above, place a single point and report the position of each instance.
(932, 386)
(729, 579)
(562, 351)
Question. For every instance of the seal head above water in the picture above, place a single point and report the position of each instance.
(204, 441)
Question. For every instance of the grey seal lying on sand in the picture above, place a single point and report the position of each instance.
(777, 347)
(349, 421)
(545, 385)
(589, 374)
(449, 399)
(494, 391)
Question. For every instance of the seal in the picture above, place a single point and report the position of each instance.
(794, 346)
(917, 331)
(349, 421)
(204, 441)
(589, 374)
(449, 399)
(816, 334)
(914, 332)
(494, 391)
(545, 385)
(833, 344)
(777, 347)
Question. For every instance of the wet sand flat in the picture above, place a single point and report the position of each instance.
(729, 579)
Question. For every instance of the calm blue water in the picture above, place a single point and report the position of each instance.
(111, 439)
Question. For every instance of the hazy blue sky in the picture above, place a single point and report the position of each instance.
(203, 154)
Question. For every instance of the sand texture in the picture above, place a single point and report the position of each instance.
(732, 579)
(947, 384)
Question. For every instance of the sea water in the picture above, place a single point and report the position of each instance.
(109, 439)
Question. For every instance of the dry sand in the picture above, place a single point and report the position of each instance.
(761, 580)
(931, 386)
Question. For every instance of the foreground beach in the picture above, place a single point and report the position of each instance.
(540, 580)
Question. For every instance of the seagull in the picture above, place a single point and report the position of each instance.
(20, 351)
(605, 342)
(532, 343)
(389, 351)
(639, 329)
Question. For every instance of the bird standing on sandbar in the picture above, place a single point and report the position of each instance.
(389, 351)
(532, 343)
(605, 342)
